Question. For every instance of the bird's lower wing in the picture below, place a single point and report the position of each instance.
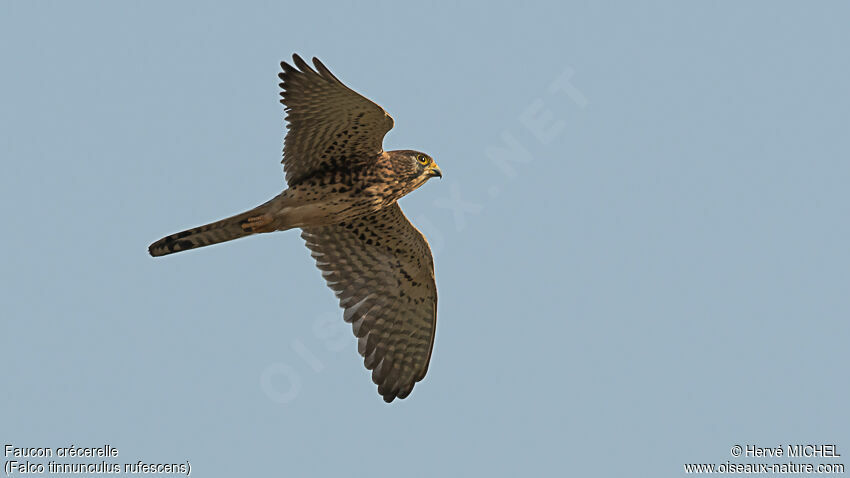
(380, 267)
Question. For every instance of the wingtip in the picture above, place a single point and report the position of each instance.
(301, 64)
(324, 70)
(289, 68)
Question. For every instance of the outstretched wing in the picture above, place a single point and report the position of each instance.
(330, 125)
(380, 267)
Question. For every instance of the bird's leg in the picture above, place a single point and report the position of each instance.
(257, 224)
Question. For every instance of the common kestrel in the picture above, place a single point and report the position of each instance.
(342, 192)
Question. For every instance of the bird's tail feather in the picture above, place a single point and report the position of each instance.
(241, 225)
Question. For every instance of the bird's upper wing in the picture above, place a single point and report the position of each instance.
(330, 125)
(380, 267)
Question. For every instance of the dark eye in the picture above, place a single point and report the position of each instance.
(422, 159)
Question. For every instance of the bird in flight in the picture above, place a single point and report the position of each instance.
(342, 192)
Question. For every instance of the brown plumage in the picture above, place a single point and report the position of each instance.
(342, 193)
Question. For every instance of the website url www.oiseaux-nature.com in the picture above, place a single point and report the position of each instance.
(754, 468)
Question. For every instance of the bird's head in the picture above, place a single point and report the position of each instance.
(414, 167)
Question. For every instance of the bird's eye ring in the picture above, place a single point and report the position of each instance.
(422, 159)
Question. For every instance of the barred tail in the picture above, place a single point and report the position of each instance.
(240, 225)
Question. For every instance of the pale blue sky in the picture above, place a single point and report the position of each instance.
(663, 276)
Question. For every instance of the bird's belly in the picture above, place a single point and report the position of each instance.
(331, 209)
